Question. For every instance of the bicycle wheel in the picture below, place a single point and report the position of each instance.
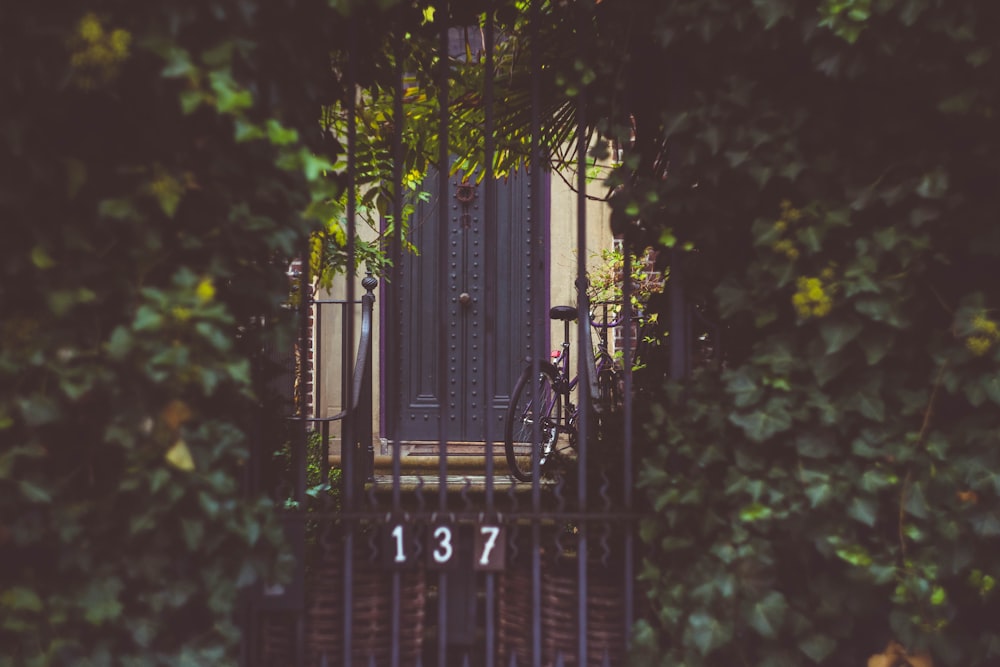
(522, 415)
(608, 407)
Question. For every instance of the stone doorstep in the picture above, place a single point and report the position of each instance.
(416, 464)
(463, 471)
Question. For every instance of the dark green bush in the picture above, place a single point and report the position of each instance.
(832, 482)
(160, 167)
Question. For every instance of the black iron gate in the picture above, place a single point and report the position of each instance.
(444, 568)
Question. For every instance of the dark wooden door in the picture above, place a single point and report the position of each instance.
(482, 250)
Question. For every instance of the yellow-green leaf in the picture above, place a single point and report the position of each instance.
(179, 456)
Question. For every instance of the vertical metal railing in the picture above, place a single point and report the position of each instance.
(395, 345)
(489, 338)
(538, 325)
(350, 423)
(583, 334)
(444, 67)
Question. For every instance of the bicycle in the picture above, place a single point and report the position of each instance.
(558, 416)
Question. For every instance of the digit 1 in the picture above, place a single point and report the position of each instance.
(397, 533)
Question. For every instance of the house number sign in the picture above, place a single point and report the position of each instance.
(443, 548)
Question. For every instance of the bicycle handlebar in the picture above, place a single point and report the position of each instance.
(636, 315)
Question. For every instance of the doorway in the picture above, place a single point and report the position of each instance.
(482, 251)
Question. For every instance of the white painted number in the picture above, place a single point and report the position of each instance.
(397, 532)
(444, 551)
(491, 533)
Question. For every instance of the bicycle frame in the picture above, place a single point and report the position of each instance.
(554, 415)
(564, 384)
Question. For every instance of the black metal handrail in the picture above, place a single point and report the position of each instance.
(358, 408)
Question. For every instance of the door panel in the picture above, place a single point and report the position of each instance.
(475, 242)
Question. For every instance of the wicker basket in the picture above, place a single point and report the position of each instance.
(372, 617)
(372, 614)
(605, 614)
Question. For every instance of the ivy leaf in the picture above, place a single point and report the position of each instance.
(768, 613)
(147, 319)
(916, 502)
(816, 445)
(772, 11)
(280, 135)
(229, 96)
(194, 531)
(876, 344)
(819, 493)
(818, 647)
(991, 386)
(868, 403)
(179, 456)
(245, 130)
(863, 510)
(811, 238)
(41, 258)
(838, 332)
(34, 493)
(741, 386)
(762, 424)
(827, 367)
(119, 343)
(38, 410)
(706, 632)
(209, 503)
(21, 597)
(100, 600)
(986, 525)
(934, 184)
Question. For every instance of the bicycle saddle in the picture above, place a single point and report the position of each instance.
(563, 313)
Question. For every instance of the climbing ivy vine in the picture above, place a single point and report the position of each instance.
(161, 166)
(830, 485)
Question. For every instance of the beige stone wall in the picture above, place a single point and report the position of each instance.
(563, 253)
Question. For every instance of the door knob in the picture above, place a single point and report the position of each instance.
(464, 298)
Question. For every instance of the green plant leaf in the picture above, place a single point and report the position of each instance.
(706, 633)
(876, 343)
(816, 445)
(916, 502)
(817, 646)
(863, 509)
(193, 531)
(762, 424)
(767, 614)
(21, 598)
(838, 332)
(34, 493)
(986, 525)
(100, 600)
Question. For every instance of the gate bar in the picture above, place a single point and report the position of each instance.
(629, 546)
(539, 328)
(395, 251)
(443, 175)
(583, 335)
(348, 457)
(489, 315)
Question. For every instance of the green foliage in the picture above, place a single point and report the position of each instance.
(830, 484)
(161, 167)
(606, 280)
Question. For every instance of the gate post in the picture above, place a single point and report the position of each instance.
(365, 400)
